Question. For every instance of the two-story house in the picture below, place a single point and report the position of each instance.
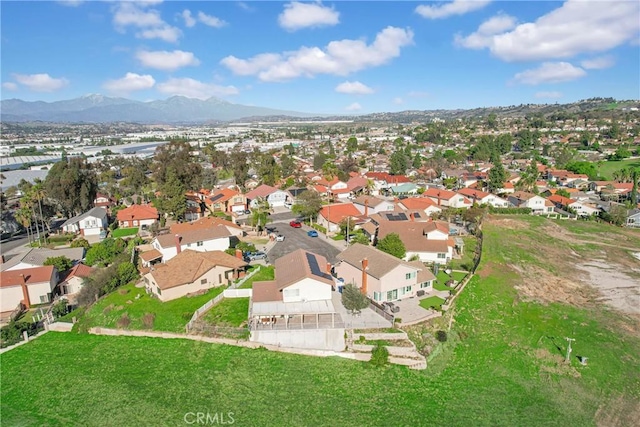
(199, 240)
(429, 241)
(272, 195)
(143, 216)
(226, 200)
(90, 223)
(538, 205)
(27, 286)
(368, 205)
(382, 277)
(484, 198)
(446, 198)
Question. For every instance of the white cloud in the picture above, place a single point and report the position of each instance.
(548, 95)
(483, 37)
(456, 7)
(149, 21)
(10, 86)
(576, 27)
(354, 88)
(398, 101)
(41, 82)
(211, 21)
(550, 72)
(340, 57)
(244, 6)
(130, 83)
(165, 60)
(296, 16)
(189, 20)
(598, 63)
(194, 89)
(353, 107)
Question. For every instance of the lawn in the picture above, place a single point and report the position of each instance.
(431, 302)
(231, 312)
(170, 316)
(466, 262)
(607, 168)
(265, 273)
(442, 278)
(124, 232)
(505, 368)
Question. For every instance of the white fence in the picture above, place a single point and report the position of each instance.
(237, 293)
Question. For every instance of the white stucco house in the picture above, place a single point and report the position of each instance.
(368, 205)
(90, 223)
(272, 195)
(27, 286)
(429, 241)
(199, 240)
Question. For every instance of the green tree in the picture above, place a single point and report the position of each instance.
(268, 169)
(563, 193)
(392, 244)
(398, 163)
(352, 144)
(635, 175)
(173, 161)
(361, 238)
(173, 198)
(319, 161)
(354, 300)
(417, 161)
(81, 243)
(288, 165)
(497, 176)
(239, 166)
(260, 214)
(61, 263)
(308, 204)
(73, 185)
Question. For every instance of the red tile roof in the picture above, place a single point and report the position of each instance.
(137, 212)
(31, 276)
(337, 212)
(417, 203)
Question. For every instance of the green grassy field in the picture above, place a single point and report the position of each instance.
(466, 262)
(170, 316)
(231, 312)
(502, 366)
(607, 168)
(123, 232)
(265, 273)
(431, 302)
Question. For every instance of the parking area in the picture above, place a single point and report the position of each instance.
(296, 238)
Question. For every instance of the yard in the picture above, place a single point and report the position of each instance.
(466, 262)
(170, 316)
(124, 232)
(442, 278)
(231, 312)
(503, 364)
(431, 302)
(265, 273)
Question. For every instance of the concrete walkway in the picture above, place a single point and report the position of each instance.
(412, 312)
(367, 319)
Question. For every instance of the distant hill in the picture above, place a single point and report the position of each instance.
(102, 109)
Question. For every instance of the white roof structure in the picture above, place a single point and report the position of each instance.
(278, 308)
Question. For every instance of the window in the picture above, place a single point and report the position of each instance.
(392, 295)
(410, 275)
(203, 281)
(407, 289)
(442, 256)
(135, 222)
(292, 293)
(377, 296)
(159, 292)
(44, 298)
(200, 243)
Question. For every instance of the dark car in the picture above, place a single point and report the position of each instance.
(295, 224)
(247, 212)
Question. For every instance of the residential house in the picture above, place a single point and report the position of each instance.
(633, 218)
(446, 198)
(190, 272)
(382, 277)
(206, 223)
(272, 195)
(104, 201)
(368, 205)
(422, 204)
(143, 216)
(194, 209)
(429, 241)
(199, 240)
(484, 198)
(335, 188)
(538, 205)
(296, 308)
(74, 280)
(330, 216)
(27, 286)
(35, 257)
(226, 200)
(90, 223)
(403, 189)
(358, 185)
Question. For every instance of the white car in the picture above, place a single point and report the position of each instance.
(279, 238)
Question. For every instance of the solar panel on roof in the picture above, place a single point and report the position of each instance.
(402, 217)
(315, 268)
(216, 197)
(416, 215)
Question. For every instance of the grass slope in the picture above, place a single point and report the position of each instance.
(504, 369)
(607, 168)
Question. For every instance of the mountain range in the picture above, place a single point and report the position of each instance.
(102, 109)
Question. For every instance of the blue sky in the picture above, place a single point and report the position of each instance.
(324, 57)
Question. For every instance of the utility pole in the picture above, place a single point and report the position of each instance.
(570, 340)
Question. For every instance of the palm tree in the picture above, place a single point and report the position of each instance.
(23, 216)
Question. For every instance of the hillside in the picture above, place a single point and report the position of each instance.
(501, 366)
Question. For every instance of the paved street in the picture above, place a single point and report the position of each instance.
(296, 238)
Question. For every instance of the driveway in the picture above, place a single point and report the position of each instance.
(296, 238)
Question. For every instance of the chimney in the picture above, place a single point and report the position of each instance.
(365, 267)
(438, 198)
(329, 268)
(366, 207)
(411, 216)
(239, 254)
(25, 292)
(178, 246)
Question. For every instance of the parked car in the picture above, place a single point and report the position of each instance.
(279, 238)
(312, 233)
(295, 224)
(247, 212)
(253, 256)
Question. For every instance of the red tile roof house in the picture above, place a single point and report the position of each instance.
(28, 286)
(296, 308)
(274, 196)
(143, 216)
(430, 241)
(226, 200)
(331, 216)
(446, 198)
(422, 204)
(484, 198)
(191, 272)
(382, 277)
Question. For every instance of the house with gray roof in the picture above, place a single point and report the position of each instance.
(35, 257)
(90, 223)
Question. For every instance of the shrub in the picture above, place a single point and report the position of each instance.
(148, 319)
(124, 321)
(61, 263)
(441, 336)
(80, 243)
(60, 308)
(187, 316)
(379, 355)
